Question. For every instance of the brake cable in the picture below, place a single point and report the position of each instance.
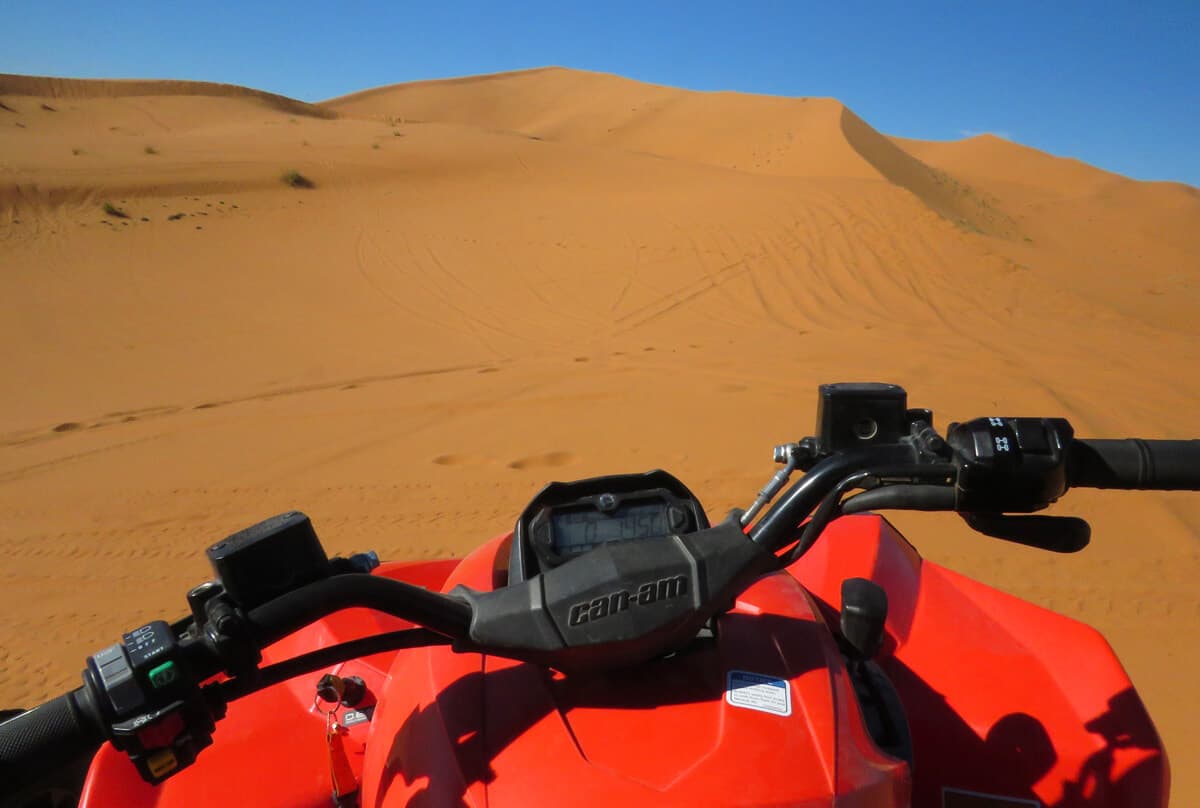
(829, 507)
(261, 678)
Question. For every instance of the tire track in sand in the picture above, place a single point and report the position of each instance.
(69, 428)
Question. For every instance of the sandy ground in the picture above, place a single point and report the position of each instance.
(503, 280)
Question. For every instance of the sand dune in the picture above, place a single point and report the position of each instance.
(548, 274)
(67, 88)
(760, 134)
(988, 157)
(792, 137)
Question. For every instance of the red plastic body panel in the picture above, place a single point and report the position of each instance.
(513, 734)
(1002, 698)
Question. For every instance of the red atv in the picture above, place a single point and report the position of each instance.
(617, 649)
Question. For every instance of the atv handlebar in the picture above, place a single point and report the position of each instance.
(1135, 464)
(285, 614)
(618, 604)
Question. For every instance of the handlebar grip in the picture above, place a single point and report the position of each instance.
(47, 739)
(1135, 464)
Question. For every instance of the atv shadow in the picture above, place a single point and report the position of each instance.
(442, 744)
(1123, 726)
(1017, 753)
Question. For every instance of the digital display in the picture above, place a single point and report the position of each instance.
(581, 529)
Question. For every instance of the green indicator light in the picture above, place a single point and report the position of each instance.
(163, 675)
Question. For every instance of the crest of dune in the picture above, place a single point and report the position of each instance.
(67, 88)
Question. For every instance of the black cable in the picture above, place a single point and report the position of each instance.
(791, 542)
(773, 527)
(823, 515)
(316, 660)
(830, 504)
(902, 498)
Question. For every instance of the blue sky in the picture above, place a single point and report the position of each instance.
(1117, 85)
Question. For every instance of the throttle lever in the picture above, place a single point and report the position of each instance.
(1058, 534)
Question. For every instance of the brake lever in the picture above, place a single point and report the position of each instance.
(1058, 534)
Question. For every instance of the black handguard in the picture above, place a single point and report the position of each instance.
(619, 604)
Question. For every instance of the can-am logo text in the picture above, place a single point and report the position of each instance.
(608, 605)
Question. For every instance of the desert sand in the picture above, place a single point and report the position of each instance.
(502, 280)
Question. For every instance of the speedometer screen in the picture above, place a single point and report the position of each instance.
(579, 530)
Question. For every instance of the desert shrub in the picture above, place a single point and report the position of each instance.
(295, 179)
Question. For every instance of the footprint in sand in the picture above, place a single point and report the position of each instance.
(547, 460)
(68, 426)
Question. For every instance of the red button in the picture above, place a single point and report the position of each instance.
(161, 733)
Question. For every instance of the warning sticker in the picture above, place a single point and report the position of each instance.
(754, 691)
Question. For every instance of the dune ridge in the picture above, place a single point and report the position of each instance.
(794, 137)
(54, 87)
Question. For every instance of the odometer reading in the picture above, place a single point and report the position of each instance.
(580, 529)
